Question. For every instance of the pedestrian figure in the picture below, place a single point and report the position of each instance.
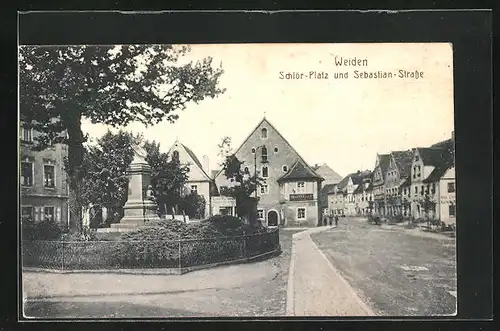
(330, 219)
(336, 220)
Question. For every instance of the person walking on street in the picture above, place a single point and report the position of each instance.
(336, 220)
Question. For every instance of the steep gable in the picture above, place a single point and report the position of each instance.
(187, 156)
(330, 176)
(275, 140)
(403, 161)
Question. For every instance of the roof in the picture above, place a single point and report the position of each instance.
(403, 160)
(328, 188)
(264, 119)
(406, 182)
(358, 189)
(435, 156)
(330, 176)
(214, 173)
(385, 159)
(443, 159)
(193, 157)
(448, 143)
(356, 177)
(300, 170)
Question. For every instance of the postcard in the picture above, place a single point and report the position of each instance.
(237, 180)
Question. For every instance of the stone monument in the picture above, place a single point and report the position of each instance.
(140, 208)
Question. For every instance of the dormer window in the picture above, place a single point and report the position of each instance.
(263, 133)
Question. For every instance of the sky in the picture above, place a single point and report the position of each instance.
(342, 122)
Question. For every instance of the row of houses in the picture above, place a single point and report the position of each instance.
(418, 183)
(292, 194)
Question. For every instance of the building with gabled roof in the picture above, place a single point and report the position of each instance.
(397, 173)
(433, 182)
(351, 195)
(198, 180)
(290, 189)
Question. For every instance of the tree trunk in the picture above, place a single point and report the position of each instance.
(72, 120)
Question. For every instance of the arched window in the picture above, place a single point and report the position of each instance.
(175, 155)
(264, 154)
(263, 133)
(284, 168)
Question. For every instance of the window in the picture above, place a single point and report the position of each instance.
(260, 214)
(451, 210)
(48, 213)
(175, 155)
(26, 174)
(246, 170)
(26, 135)
(422, 190)
(416, 189)
(263, 133)
(301, 213)
(451, 187)
(26, 214)
(276, 149)
(416, 158)
(194, 189)
(48, 176)
(264, 154)
(264, 189)
(433, 188)
(284, 168)
(253, 150)
(265, 172)
(301, 187)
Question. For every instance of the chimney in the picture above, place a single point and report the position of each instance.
(206, 164)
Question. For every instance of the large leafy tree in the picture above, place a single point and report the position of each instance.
(244, 184)
(113, 85)
(168, 176)
(104, 170)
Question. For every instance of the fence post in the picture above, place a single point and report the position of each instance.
(180, 254)
(244, 244)
(62, 252)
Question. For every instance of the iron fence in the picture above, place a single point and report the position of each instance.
(180, 254)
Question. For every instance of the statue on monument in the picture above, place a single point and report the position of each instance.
(140, 154)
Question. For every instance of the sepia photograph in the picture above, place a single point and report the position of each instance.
(237, 180)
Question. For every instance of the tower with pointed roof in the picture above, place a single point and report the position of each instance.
(289, 194)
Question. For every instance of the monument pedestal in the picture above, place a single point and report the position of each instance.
(139, 210)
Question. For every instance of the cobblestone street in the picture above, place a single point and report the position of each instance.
(396, 272)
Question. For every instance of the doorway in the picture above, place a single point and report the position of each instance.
(272, 218)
